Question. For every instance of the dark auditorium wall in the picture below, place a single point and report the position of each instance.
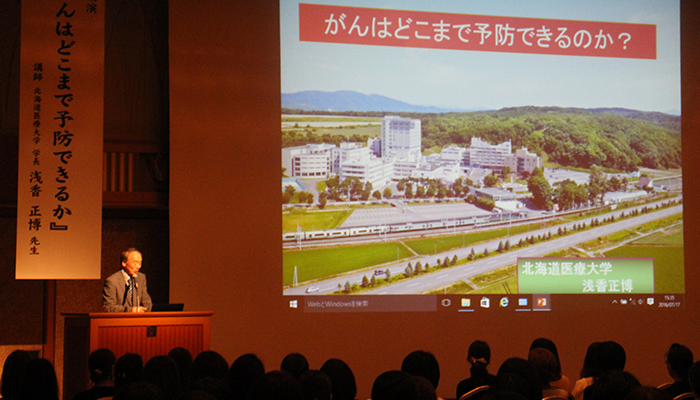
(136, 112)
(225, 223)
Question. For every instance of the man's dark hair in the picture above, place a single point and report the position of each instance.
(124, 256)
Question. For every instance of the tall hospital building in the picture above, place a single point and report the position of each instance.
(401, 138)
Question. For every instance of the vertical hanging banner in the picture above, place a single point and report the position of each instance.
(59, 199)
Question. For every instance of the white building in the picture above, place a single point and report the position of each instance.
(348, 152)
(446, 170)
(375, 146)
(403, 168)
(523, 161)
(377, 171)
(482, 154)
(310, 161)
(401, 138)
(453, 153)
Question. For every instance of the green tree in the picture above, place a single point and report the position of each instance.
(306, 197)
(597, 185)
(365, 281)
(491, 181)
(387, 193)
(348, 288)
(486, 252)
(409, 190)
(373, 281)
(454, 260)
(540, 189)
(505, 173)
(322, 200)
(377, 195)
(401, 186)
(387, 273)
(565, 194)
(289, 190)
(507, 246)
(485, 203)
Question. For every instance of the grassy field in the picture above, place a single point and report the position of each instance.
(428, 246)
(369, 130)
(667, 250)
(321, 263)
(672, 236)
(313, 221)
(324, 118)
(509, 286)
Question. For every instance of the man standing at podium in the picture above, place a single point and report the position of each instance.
(126, 290)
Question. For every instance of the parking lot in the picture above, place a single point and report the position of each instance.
(402, 214)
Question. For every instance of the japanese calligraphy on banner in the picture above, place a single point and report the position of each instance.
(59, 199)
(431, 30)
(586, 275)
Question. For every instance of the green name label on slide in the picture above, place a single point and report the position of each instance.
(586, 275)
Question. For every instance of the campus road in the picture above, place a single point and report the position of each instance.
(445, 278)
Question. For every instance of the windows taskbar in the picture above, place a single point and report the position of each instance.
(476, 303)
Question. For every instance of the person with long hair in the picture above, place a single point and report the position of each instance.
(479, 357)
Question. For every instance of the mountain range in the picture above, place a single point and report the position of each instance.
(347, 100)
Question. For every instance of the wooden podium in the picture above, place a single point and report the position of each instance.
(146, 334)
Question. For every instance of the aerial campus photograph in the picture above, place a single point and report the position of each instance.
(412, 170)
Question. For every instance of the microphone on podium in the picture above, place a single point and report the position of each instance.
(137, 303)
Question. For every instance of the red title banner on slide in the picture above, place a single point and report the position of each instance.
(431, 30)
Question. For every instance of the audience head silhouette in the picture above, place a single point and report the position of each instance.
(275, 385)
(12, 372)
(394, 385)
(543, 343)
(613, 385)
(422, 363)
(518, 375)
(161, 371)
(315, 385)
(342, 379)
(101, 365)
(678, 361)
(244, 371)
(295, 363)
(128, 368)
(38, 381)
(183, 360)
(209, 364)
